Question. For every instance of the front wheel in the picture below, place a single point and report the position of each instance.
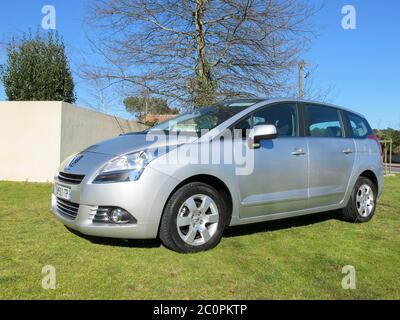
(194, 219)
(362, 203)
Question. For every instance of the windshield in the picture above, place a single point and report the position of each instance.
(206, 118)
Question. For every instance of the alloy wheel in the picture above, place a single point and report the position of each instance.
(365, 200)
(197, 219)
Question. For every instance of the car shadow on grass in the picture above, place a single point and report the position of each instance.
(286, 223)
(235, 231)
(130, 243)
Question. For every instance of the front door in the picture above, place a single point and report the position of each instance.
(279, 180)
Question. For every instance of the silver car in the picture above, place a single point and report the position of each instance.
(281, 158)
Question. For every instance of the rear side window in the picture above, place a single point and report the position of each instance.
(359, 126)
(323, 121)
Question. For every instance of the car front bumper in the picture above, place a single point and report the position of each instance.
(143, 199)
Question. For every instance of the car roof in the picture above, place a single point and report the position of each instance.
(266, 101)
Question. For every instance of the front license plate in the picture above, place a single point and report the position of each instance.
(62, 192)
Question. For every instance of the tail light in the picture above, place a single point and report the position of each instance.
(374, 137)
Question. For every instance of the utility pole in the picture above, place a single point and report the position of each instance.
(301, 66)
(146, 102)
(146, 93)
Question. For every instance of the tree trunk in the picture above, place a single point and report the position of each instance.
(200, 38)
(204, 86)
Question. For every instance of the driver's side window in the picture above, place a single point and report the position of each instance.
(282, 116)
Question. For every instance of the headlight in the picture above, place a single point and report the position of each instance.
(125, 168)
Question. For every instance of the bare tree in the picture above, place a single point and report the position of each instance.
(197, 51)
(99, 99)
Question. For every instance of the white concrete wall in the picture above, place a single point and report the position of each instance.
(29, 140)
(36, 136)
(83, 127)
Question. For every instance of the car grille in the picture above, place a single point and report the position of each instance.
(70, 178)
(67, 208)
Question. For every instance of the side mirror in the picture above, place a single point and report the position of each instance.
(262, 132)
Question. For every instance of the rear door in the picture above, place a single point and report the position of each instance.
(331, 155)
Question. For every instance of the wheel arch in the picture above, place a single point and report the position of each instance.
(369, 172)
(371, 176)
(212, 181)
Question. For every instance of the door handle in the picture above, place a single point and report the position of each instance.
(298, 152)
(347, 151)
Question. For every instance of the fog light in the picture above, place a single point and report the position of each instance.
(119, 216)
(113, 215)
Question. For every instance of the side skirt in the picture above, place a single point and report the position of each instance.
(283, 215)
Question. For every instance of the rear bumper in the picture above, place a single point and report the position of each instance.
(381, 181)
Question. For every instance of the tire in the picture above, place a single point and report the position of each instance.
(361, 206)
(202, 216)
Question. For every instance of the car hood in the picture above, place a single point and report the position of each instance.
(92, 158)
(136, 142)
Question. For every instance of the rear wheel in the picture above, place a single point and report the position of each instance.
(194, 219)
(362, 203)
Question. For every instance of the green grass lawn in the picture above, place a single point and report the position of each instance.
(300, 258)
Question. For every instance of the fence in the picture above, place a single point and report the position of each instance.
(387, 148)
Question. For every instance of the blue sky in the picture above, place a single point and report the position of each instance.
(362, 65)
